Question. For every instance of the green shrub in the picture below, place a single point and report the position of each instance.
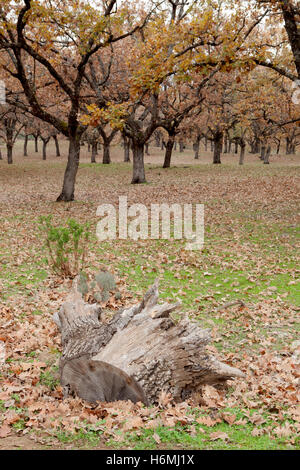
(67, 245)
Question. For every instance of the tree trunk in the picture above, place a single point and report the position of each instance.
(67, 193)
(169, 150)
(242, 153)
(205, 143)
(25, 145)
(147, 148)
(94, 152)
(138, 163)
(255, 146)
(290, 146)
(196, 147)
(225, 144)
(267, 155)
(56, 145)
(258, 146)
(143, 341)
(36, 146)
(9, 128)
(236, 147)
(1, 155)
(157, 136)
(9, 147)
(218, 142)
(106, 153)
(290, 14)
(181, 146)
(263, 152)
(45, 142)
(126, 145)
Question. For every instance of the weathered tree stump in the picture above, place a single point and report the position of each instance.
(99, 381)
(144, 342)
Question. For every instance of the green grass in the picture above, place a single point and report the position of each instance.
(49, 378)
(181, 436)
(228, 275)
(23, 279)
(196, 436)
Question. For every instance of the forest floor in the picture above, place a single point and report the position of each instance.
(251, 253)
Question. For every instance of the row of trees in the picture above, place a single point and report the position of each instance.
(204, 69)
(225, 131)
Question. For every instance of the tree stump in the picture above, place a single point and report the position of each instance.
(144, 342)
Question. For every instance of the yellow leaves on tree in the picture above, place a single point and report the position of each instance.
(114, 115)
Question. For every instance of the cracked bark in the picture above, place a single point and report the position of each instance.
(144, 342)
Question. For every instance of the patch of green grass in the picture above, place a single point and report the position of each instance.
(84, 436)
(49, 378)
(236, 269)
(15, 397)
(180, 436)
(19, 425)
(37, 312)
(20, 280)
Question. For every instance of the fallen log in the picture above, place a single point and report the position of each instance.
(99, 381)
(143, 341)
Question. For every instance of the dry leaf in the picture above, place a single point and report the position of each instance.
(219, 435)
(206, 420)
(5, 431)
(230, 419)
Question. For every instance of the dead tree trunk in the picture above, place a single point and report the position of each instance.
(143, 341)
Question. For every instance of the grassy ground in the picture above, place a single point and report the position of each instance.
(251, 254)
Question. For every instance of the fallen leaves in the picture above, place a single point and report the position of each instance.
(283, 431)
(229, 418)
(266, 401)
(5, 430)
(207, 421)
(2, 352)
